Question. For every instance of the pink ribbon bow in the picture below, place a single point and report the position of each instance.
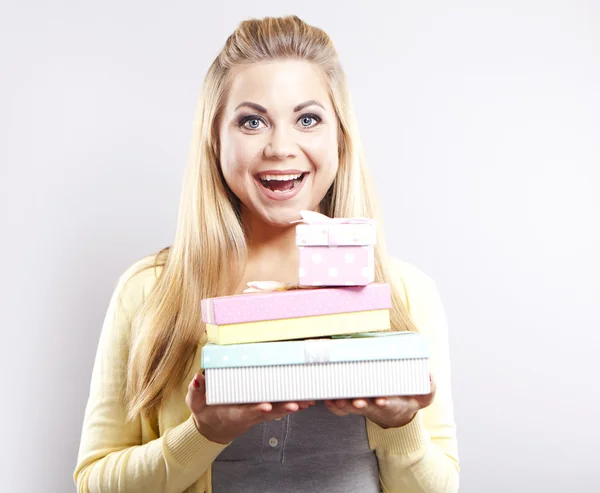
(272, 286)
(333, 234)
(268, 286)
(312, 217)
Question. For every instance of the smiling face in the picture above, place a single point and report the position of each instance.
(278, 139)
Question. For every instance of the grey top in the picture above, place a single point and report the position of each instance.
(309, 451)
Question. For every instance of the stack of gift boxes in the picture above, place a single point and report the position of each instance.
(328, 337)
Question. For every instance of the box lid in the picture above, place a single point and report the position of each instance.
(356, 347)
(315, 229)
(335, 234)
(293, 303)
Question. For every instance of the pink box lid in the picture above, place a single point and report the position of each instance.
(295, 303)
(316, 229)
(335, 234)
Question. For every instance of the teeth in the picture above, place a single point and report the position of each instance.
(280, 177)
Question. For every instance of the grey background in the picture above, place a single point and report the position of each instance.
(481, 122)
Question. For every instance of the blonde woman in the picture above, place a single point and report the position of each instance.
(274, 134)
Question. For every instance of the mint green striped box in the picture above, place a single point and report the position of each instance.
(362, 365)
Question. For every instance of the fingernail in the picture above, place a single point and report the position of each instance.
(196, 383)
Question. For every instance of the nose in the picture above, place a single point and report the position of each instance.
(281, 144)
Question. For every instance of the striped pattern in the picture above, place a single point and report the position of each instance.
(317, 381)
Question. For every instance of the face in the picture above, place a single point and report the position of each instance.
(279, 139)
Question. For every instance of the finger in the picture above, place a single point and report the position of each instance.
(279, 410)
(365, 407)
(268, 411)
(389, 401)
(196, 395)
(291, 407)
(262, 408)
(198, 383)
(306, 404)
(284, 408)
(354, 406)
(401, 406)
(251, 412)
(360, 403)
(257, 413)
(333, 408)
(341, 403)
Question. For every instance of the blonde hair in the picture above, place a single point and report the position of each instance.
(208, 254)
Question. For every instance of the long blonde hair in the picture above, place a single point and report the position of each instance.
(208, 254)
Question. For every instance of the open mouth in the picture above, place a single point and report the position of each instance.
(281, 183)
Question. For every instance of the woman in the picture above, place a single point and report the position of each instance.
(274, 134)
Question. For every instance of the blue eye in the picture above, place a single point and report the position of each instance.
(251, 122)
(309, 121)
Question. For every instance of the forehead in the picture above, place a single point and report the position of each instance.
(278, 85)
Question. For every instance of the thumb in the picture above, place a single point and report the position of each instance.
(196, 395)
(199, 383)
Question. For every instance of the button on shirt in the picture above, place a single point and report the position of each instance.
(311, 450)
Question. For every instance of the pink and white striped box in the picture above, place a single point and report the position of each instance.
(335, 251)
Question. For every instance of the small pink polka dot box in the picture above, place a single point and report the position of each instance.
(335, 251)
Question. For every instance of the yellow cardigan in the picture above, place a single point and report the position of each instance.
(168, 455)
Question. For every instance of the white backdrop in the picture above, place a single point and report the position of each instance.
(481, 122)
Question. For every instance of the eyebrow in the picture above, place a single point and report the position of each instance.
(262, 109)
(257, 107)
(312, 102)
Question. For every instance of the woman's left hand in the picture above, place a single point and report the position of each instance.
(386, 412)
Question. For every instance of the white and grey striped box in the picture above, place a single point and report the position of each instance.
(317, 381)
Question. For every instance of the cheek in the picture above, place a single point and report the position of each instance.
(322, 150)
(237, 155)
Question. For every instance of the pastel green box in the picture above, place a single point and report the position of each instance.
(362, 365)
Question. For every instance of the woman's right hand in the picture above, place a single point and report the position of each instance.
(223, 423)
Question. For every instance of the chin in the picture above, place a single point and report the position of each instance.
(279, 216)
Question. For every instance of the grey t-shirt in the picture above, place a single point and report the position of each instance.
(311, 450)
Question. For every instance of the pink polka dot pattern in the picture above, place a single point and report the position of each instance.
(254, 307)
(336, 266)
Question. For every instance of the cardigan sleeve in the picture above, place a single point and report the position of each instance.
(422, 456)
(111, 457)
